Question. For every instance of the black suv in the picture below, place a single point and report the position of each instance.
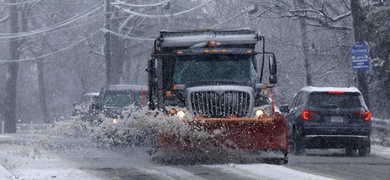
(113, 99)
(329, 117)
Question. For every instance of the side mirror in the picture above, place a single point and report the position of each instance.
(272, 70)
(272, 66)
(273, 79)
(95, 106)
(284, 108)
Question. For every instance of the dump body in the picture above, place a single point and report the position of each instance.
(212, 81)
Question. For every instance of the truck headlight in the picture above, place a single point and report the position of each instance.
(262, 112)
(179, 113)
(259, 112)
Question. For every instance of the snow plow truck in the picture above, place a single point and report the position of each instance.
(212, 81)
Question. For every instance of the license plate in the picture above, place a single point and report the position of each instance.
(336, 119)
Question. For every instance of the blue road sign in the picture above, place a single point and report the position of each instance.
(360, 57)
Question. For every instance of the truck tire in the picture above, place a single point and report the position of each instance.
(364, 149)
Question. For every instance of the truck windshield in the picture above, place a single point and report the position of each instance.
(215, 68)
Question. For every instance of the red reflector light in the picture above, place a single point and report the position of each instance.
(335, 92)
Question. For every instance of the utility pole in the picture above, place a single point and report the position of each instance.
(107, 38)
(360, 31)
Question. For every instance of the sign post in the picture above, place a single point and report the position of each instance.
(361, 64)
(360, 57)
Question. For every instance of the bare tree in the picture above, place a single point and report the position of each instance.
(300, 4)
(132, 27)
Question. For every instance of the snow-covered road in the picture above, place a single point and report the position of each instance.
(22, 157)
(29, 161)
(63, 153)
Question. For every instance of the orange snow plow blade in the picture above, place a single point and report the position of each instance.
(233, 133)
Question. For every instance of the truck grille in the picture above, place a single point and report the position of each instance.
(211, 104)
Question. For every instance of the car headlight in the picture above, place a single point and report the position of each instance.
(181, 114)
(114, 121)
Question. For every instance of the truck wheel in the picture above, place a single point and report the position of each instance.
(285, 159)
(298, 145)
(364, 149)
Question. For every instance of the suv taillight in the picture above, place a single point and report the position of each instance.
(366, 115)
(306, 115)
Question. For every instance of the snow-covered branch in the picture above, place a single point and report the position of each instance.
(163, 15)
(121, 3)
(4, 19)
(132, 37)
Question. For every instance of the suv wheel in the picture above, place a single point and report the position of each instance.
(364, 149)
(298, 145)
(350, 151)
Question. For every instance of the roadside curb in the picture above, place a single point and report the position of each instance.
(4, 173)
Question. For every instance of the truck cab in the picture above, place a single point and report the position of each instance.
(212, 80)
(212, 73)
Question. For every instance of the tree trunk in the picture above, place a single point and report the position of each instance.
(41, 86)
(300, 4)
(42, 93)
(12, 76)
(114, 47)
(117, 59)
(107, 40)
(360, 28)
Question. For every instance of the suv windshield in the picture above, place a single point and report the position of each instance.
(123, 98)
(215, 68)
(326, 100)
